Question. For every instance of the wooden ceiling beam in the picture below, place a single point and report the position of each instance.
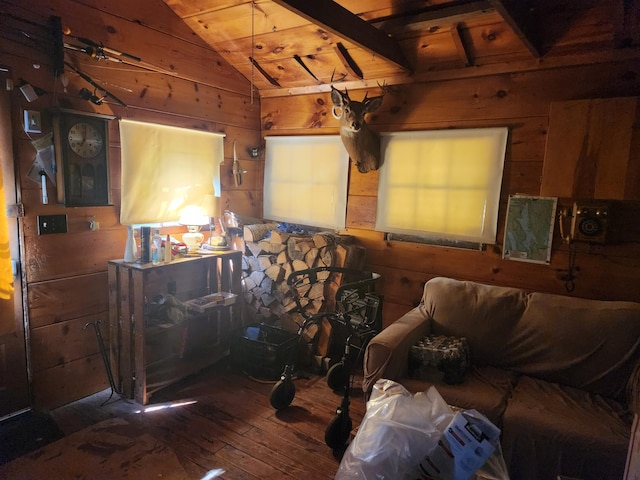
(435, 17)
(520, 19)
(460, 47)
(340, 21)
(347, 61)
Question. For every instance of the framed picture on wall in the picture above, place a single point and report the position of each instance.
(529, 228)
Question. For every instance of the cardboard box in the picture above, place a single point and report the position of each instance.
(464, 447)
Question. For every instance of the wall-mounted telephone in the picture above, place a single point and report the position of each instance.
(588, 222)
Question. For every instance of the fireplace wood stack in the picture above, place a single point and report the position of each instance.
(271, 255)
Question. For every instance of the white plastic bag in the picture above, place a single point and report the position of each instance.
(398, 430)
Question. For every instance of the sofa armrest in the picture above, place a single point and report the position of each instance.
(387, 354)
(633, 389)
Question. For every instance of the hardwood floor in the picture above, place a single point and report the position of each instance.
(229, 426)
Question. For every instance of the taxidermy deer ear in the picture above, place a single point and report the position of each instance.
(372, 104)
(338, 97)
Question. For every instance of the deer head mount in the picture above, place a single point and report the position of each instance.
(362, 143)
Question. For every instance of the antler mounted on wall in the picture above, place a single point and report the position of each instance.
(361, 142)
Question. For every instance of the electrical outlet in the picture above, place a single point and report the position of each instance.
(52, 224)
(32, 122)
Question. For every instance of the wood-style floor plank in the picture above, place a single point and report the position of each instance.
(230, 426)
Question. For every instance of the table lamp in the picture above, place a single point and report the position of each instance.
(193, 217)
(211, 207)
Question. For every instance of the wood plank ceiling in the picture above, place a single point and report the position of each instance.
(293, 46)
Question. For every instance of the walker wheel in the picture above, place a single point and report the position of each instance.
(337, 377)
(338, 431)
(282, 394)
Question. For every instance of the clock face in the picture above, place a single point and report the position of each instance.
(85, 140)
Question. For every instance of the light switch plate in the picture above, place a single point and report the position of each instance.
(32, 121)
(52, 224)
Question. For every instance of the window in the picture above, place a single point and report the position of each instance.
(165, 169)
(442, 184)
(305, 180)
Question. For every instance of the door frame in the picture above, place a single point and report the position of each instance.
(11, 186)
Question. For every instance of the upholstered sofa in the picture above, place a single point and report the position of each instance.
(559, 375)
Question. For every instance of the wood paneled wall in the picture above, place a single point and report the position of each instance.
(184, 83)
(521, 102)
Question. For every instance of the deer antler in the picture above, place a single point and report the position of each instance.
(387, 88)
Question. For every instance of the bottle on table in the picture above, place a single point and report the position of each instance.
(167, 249)
(156, 246)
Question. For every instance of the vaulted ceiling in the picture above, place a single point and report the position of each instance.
(298, 45)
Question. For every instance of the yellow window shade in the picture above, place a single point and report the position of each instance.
(164, 169)
(305, 180)
(443, 184)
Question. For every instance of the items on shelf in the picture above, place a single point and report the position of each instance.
(219, 299)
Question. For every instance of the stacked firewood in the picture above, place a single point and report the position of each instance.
(272, 255)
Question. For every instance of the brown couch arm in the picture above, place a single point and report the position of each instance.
(633, 389)
(387, 354)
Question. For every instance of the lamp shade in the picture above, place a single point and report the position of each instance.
(193, 215)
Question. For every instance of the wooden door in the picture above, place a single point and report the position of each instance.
(14, 380)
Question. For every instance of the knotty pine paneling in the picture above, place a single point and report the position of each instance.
(54, 386)
(243, 202)
(237, 20)
(505, 97)
(520, 101)
(603, 275)
(243, 137)
(138, 89)
(251, 178)
(183, 83)
(157, 49)
(68, 298)
(64, 342)
(161, 18)
(85, 252)
(593, 149)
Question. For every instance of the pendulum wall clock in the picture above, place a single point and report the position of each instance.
(81, 144)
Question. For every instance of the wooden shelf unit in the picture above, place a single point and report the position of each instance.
(147, 353)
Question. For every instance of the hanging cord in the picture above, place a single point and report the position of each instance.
(569, 283)
(252, 45)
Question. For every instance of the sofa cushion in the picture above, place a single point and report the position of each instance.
(485, 389)
(484, 314)
(549, 429)
(586, 344)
